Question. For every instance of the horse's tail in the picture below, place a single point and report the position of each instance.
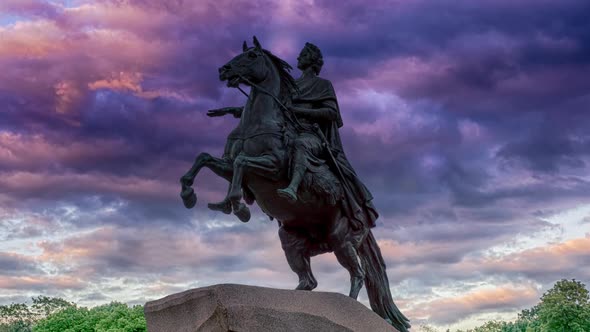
(377, 284)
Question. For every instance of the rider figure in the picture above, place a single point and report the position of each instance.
(315, 103)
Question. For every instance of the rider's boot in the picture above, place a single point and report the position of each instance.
(290, 193)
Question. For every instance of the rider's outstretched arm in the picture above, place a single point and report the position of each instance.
(235, 111)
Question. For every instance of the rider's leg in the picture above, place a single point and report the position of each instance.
(299, 168)
(295, 248)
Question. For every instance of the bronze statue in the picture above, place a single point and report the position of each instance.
(286, 155)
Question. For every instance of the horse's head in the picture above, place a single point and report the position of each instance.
(250, 64)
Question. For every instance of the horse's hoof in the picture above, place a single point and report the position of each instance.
(287, 194)
(224, 207)
(306, 285)
(189, 199)
(243, 213)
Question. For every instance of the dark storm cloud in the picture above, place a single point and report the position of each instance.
(140, 123)
(560, 142)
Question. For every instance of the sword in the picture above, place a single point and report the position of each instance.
(326, 144)
(355, 223)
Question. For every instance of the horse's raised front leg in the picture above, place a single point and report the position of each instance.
(219, 166)
(242, 164)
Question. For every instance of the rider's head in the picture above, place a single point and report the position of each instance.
(311, 56)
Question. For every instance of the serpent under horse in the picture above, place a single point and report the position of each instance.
(258, 161)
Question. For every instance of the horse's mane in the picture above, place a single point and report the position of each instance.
(288, 85)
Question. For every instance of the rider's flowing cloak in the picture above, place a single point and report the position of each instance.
(358, 200)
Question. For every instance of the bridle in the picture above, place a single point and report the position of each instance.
(290, 115)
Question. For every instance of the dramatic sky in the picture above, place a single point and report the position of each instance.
(468, 120)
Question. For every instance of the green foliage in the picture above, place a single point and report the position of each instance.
(491, 326)
(118, 317)
(113, 317)
(44, 306)
(19, 317)
(18, 326)
(565, 307)
(57, 315)
(427, 328)
(16, 312)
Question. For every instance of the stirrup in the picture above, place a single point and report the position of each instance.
(288, 194)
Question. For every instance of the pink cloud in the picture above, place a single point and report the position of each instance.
(43, 184)
(24, 152)
(132, 83)
(566, 259)
(122, 82)
(66, 58)
(166, 258)
(488, 299)
(27, 283)
(33, 8)
(31, 39)
(543, 264)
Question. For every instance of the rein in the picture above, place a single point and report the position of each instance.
(289, 113)
(247, 137)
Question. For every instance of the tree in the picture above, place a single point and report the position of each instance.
(113, 317)
(491, 326)
(19, 317)
(427, 328)
(15, 312)
(565, 307)
(528, 321)
(117, 317)
(44, 306)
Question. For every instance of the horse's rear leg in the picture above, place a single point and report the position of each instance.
(346, 253)
(297, 253)
(347, 257)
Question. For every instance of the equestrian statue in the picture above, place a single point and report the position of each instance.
(286, 155)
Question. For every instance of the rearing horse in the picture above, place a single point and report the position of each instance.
(257, 161)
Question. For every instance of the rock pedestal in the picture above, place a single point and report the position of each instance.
(239, 308)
